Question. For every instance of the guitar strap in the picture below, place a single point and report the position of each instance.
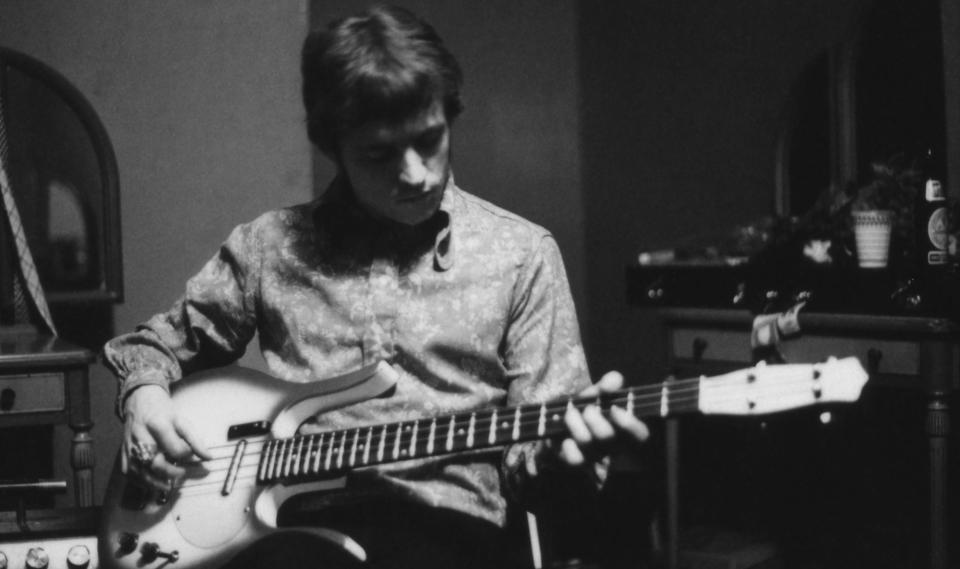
(27, 280)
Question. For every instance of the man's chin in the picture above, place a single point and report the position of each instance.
(414, 218)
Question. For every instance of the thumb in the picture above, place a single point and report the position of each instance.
(188, 432)
(611, 381)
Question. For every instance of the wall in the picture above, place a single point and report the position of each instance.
(681, 105)
(201, 100)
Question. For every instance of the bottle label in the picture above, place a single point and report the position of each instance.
(937, 228)
(934, 191)
(936, 257)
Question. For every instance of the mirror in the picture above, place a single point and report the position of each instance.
(67, 261)
(63, 174)
(878, 94)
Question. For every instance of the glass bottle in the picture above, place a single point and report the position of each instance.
(932, 215)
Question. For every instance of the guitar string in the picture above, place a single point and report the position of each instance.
(528, 416)
(639, 400)
(250, 472)
(676, 388)
(292, 456)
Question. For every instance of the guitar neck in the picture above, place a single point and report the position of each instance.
(335, 452)
(754, 391)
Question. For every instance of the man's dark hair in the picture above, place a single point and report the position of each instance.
(385, 64)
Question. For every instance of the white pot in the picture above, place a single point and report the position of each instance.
(872, 231)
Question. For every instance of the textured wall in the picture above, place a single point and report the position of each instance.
(201, 100)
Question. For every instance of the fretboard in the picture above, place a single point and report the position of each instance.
(335, 452)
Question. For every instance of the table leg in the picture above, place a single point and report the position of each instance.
(81, 452)
(937, 370)
(938, 430)
(82, 461)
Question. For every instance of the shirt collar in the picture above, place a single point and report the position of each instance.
(341, 220)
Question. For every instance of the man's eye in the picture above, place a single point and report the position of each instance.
(429, 141)
(377, 154)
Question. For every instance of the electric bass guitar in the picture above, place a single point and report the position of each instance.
(259, 461)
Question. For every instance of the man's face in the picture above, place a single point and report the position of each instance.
(399, 169)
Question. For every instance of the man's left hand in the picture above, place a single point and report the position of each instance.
(591, 434)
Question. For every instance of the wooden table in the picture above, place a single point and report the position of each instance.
(45, 381)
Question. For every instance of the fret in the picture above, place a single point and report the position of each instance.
(264, 459)
(433, 432)
(515, 435)
(366, 446)
(319, 456)
(396, 443)
(383, 443)
(307, 457)
(413, 438)
(630, 402)
(288, 457)
(275, 461)
(453, 421)
(341, 450)
(492, 437)
(470, 429)
(327, 460)
(542, 421)
(353, 447)
(299, 455)
(664, 396)
(278, 463)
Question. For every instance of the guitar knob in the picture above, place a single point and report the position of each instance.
(128, 542)
(78, 557)
(151, 552)
(37, 558)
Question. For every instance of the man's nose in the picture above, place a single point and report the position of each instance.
(413, 172)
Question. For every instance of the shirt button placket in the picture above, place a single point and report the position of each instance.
(379, 338)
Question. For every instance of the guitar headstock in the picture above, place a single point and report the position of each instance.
(780, 387)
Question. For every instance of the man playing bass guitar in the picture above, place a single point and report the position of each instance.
(467, 303)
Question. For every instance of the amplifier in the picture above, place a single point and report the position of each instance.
(767, 288)
(49, 539)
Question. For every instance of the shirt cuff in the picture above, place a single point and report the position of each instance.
(137, 380)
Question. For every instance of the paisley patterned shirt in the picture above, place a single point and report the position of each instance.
(472, 309)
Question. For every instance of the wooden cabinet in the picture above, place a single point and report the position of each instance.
(44, 381)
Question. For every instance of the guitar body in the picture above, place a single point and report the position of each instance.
(208, 520)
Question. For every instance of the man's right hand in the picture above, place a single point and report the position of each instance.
(156, 441)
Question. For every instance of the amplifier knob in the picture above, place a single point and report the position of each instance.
(78, 557)
(37, 558)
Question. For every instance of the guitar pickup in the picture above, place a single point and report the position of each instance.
(242, 431)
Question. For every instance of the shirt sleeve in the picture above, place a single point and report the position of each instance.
(208, 326)
(545, 359)
(543, 352)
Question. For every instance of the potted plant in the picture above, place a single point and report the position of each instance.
(881, 212)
